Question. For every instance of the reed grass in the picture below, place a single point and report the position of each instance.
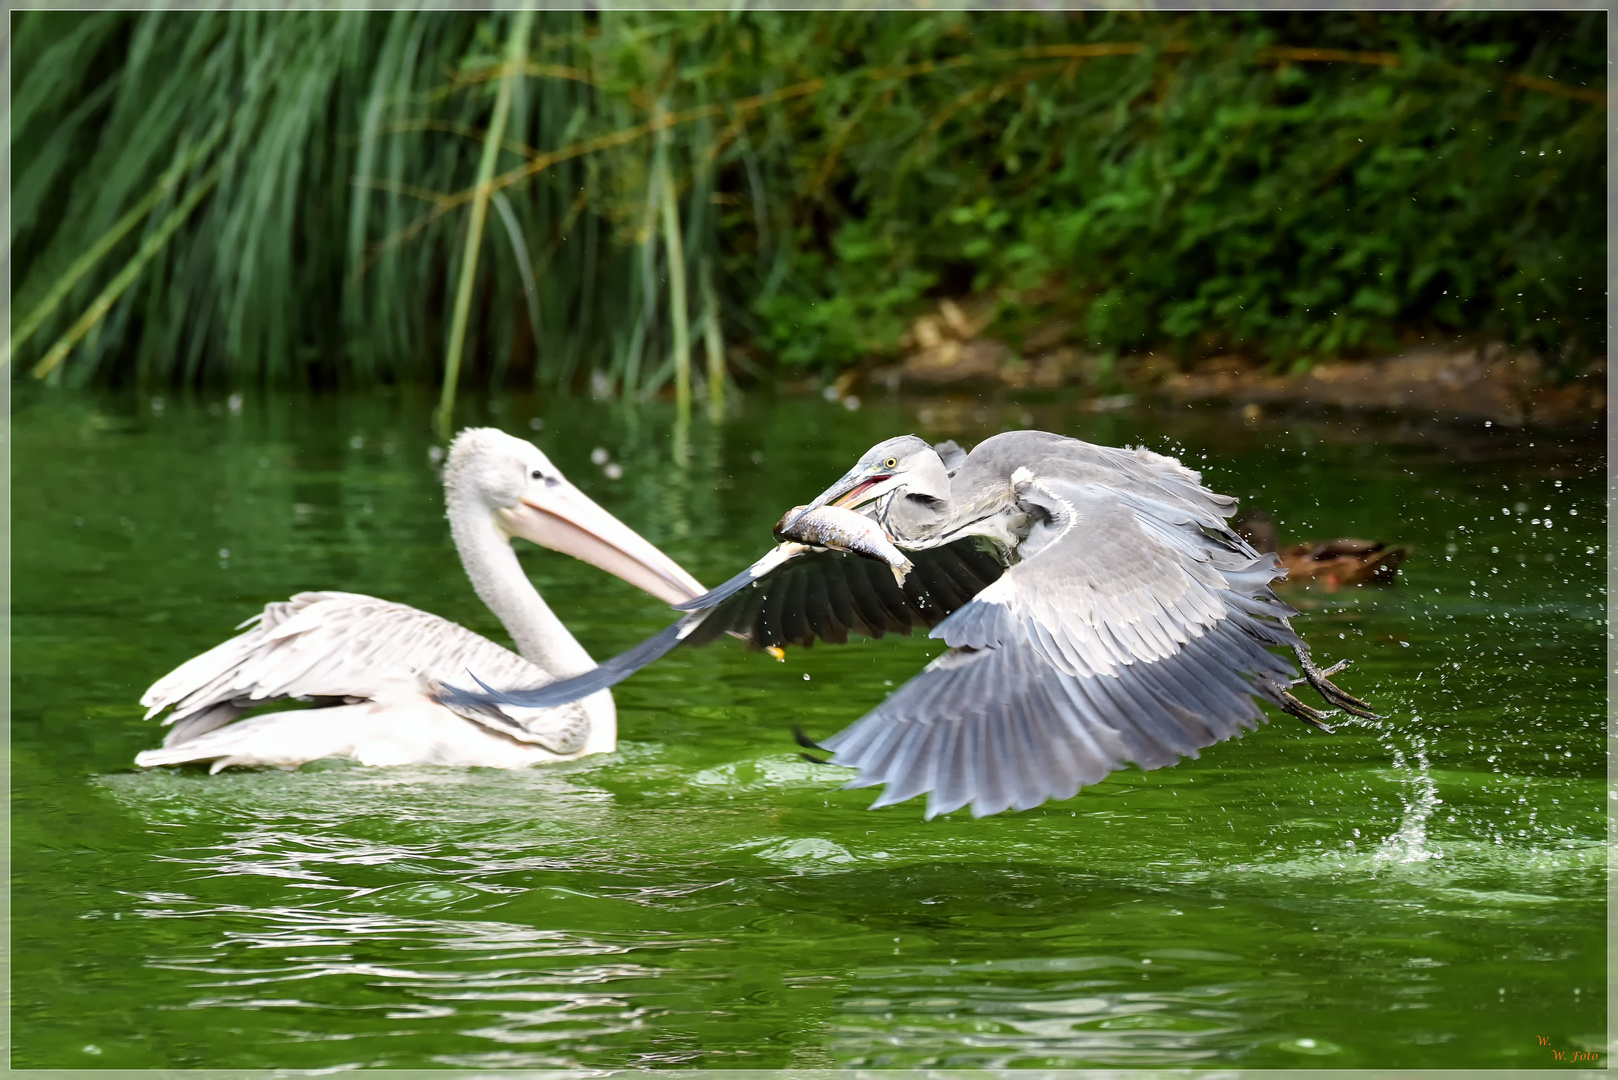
(1290, 185)
(679, 311)
(516, 58)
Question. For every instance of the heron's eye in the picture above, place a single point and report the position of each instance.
(537, 475)
(891, 463)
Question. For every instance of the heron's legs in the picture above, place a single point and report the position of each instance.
(1327, 689)
(1334, 669)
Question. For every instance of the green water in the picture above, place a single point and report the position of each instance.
(1427, 890)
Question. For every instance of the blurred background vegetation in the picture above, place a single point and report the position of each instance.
(238, 198)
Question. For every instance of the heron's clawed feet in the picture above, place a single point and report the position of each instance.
(1311, 716)
(1334, 669)
(1333, 693)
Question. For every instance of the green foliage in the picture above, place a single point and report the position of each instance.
(1290, 185)
(1202, 196)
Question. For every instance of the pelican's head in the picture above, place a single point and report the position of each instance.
(510, 480)
(901, 482)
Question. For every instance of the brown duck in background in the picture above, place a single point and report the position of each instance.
(1332, 562)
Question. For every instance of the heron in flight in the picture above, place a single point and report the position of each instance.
(375, 664)
(1098, 609)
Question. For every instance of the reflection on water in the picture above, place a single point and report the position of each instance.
(1421, 890)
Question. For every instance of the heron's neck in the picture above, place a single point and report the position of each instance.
(492, 565)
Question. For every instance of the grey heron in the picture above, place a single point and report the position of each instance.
(1097, 607)
(375, 663)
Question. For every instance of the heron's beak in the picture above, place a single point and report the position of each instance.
(561, 517)
(866, 491)
(858, 487)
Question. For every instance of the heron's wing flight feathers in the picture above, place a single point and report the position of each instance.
(794, 595)
(1129, 632)
(811, 594)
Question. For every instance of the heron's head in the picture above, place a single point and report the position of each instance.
(901, 482)
(508, 481)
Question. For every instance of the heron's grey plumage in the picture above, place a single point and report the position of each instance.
(950, 453)
(1123, 637)
(1132, 627)
(1098, 609)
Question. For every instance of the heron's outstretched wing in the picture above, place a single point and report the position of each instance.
(1131, 631)
(797, 595)
(794, 595)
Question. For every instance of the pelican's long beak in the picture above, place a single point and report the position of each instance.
(554, 514)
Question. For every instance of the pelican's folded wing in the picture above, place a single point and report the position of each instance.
(792, 596)
(1129, 631)
(327, 645)
(341, 646)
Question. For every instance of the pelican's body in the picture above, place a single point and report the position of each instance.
(1097, 607)
(375, 663)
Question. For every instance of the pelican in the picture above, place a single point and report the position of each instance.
(1097, 607)
(375, 663)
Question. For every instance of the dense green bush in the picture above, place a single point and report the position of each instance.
(1204, 196)
(1290, 185)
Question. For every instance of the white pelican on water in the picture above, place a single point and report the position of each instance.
(374, 663)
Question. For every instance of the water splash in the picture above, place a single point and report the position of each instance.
(1418, 791)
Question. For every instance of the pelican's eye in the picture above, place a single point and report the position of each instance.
(891, 463)
(537, 475)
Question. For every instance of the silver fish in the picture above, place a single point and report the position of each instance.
(842, 530)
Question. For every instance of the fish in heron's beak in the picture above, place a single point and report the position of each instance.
(859, 487)
(554, 514)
